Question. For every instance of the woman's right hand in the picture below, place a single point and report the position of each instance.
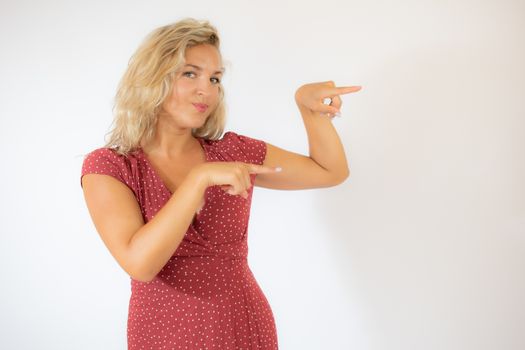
(233, 177)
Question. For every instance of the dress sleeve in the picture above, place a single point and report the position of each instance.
(249, 149)
(105, 161)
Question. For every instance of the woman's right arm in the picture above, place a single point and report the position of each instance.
(141, 249)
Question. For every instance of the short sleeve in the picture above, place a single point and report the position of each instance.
(105, 161)
(250, 150)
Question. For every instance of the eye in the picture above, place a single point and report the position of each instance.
(190, 73)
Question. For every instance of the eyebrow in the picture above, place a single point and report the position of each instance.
(221, 71)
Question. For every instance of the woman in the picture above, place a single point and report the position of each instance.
(171, 199)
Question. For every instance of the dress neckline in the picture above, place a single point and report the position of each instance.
(156, 174)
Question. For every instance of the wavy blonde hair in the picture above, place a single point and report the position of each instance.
(148, 81)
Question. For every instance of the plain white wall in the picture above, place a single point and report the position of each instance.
(421, 248)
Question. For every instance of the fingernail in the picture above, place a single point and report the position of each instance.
(338, 114)
(278, 169)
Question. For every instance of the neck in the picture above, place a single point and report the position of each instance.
(170, 141)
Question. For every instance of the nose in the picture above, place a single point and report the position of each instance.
(204, 87)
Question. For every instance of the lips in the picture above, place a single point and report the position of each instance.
(201, 107)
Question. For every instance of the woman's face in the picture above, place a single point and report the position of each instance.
(196, 87)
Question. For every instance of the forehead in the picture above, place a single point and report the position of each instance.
(204, 57)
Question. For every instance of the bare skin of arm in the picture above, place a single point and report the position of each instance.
(142, 250)
(326, 165)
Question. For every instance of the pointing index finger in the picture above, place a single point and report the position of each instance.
(261, 169)
(344, 90)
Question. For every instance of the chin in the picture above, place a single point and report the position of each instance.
(204, 121)
(195, 126)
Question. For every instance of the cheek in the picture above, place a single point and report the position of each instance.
(217, 95)
(183, 87)
(175, 97)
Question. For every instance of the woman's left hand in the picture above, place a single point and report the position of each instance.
(312, 95)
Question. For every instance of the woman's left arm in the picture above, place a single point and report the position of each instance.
(326, 166)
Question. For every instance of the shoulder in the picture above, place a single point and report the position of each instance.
(107, 161)
(102, 152)
(246, 148)
(101, 157)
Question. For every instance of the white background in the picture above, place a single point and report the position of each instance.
(421, 248)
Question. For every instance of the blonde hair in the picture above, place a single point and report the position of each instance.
(148, 81)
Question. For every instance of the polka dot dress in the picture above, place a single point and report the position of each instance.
(206, 296)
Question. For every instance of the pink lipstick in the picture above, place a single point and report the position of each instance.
(201, 107)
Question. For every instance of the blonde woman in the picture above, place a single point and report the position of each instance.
(170, 195)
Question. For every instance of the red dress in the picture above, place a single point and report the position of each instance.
(206, 296)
